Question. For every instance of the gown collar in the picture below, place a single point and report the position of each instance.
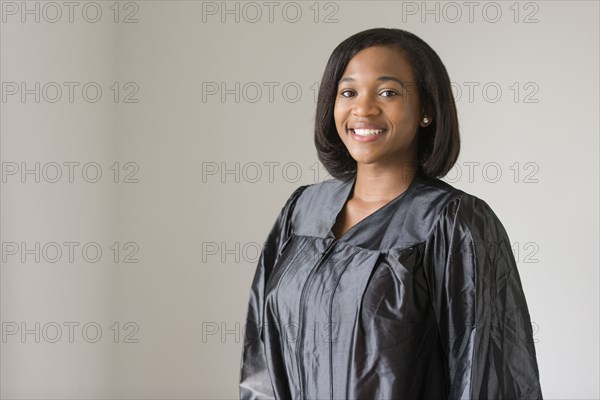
(403, 222)
(341, 196)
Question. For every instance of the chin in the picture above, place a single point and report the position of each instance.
(366, 160)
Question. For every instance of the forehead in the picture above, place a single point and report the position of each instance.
(379, 60)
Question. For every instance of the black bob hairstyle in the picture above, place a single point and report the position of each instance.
(438, 143)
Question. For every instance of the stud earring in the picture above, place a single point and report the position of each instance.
(425, 120)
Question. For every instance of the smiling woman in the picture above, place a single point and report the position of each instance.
(386, 282)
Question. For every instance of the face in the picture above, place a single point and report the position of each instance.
(377, 111)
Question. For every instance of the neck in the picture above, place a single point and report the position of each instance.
(375, 184)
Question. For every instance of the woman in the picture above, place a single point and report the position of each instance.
(386, 282)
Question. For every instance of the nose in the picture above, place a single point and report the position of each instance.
(364, 106)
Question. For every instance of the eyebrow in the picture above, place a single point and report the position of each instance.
(381, 79)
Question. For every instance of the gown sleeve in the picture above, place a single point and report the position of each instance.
(481, 310)
(255, 382)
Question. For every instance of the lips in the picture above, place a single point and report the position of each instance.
(366, 132)
(365, 129)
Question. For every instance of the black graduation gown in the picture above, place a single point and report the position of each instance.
(420, 300)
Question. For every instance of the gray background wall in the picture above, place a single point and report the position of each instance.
(206, 155)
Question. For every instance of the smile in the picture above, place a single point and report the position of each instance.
(366, 135)
(367, 132)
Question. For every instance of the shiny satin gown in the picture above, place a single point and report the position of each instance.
(420, 300)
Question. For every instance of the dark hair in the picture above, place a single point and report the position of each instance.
(438, 143)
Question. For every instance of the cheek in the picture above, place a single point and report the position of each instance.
(338, 116)
(403, 113)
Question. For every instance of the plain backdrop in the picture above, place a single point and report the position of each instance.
(148, 146)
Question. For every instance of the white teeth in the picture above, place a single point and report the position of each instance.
(367, 132)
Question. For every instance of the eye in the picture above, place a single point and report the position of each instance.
(346, 93)
(388, 93)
